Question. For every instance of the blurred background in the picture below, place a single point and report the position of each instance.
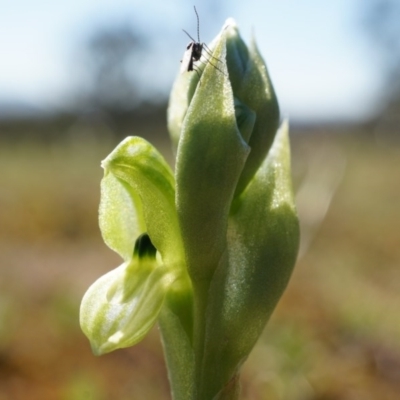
(76, 77)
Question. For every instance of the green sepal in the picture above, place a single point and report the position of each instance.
(211, 155)
(252, 86)
(245, 119)
(263, 238)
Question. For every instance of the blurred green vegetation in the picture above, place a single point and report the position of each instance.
(334, 336)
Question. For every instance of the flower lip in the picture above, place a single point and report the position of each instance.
(144, 247)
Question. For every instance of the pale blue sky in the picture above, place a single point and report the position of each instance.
(319, 62)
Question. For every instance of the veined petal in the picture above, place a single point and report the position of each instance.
(120, 308)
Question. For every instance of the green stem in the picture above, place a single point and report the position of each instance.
(176, 326)
(200, 309)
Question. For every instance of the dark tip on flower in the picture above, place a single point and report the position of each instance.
(144, 247)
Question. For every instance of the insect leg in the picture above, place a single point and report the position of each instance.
(197, 72)
(208, 61)
(208, 50)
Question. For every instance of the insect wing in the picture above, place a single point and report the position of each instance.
(187, 59)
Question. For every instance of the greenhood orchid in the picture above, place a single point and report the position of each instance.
(208, 250)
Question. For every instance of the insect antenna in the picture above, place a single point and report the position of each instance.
(198, 24)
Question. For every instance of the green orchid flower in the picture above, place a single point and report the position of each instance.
(207, 250)
(137, 202)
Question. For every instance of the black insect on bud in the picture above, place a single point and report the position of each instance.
(194, 51)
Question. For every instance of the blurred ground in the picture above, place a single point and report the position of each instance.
(334, 336)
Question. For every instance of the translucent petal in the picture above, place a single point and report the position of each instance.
(120, 308)
(120, 215)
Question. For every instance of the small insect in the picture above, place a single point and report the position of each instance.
(194, 51)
